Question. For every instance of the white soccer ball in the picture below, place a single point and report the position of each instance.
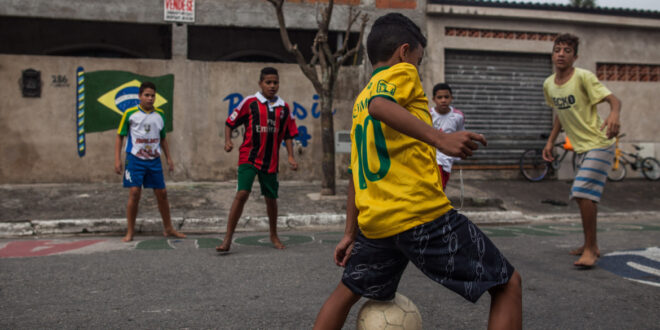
(398, 313)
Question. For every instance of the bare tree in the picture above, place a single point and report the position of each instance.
(583, 3)
(329, 64)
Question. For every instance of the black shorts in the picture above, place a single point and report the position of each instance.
(450, 250)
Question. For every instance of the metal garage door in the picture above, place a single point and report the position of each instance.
(501, 95)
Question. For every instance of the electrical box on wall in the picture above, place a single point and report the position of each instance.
(31, 83)
(343, 142)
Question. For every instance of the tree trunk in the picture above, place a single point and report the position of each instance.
(328, 142)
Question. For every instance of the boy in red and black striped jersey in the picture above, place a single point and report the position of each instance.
(267, 120)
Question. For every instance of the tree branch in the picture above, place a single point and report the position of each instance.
(308, 70)
(347, 33)
(351, 52)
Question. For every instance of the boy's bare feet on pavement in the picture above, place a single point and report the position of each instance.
(224, 247)
(127, 238)
(174, 233)
(276, 243)
(587, 260)
(578, 252)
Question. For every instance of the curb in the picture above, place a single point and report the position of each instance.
(319, 221)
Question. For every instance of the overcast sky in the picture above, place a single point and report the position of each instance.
(633, 4)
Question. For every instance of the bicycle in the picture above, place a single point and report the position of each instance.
(534, 168)
(650, 166)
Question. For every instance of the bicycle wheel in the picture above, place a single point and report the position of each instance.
(651, 168)
(532, 165)
(617, 174)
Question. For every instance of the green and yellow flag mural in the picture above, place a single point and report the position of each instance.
(103, 96)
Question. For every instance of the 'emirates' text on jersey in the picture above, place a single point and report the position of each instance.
(396, 179)
(145, 129)
(266, 125)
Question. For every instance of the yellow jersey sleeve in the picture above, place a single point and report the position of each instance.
(400, 84)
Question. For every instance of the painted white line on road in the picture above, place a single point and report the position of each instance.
(642, 268)
(643, 282)
(652, 253)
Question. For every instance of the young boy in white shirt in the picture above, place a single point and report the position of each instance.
(447, 119)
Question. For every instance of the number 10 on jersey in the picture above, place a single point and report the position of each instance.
(362, 140)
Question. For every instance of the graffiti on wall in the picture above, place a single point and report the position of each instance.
(103, 96)
(299, 112)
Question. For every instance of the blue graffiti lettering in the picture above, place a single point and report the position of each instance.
(316, 113)
(299, 111)
(234, 100)
(303, 136)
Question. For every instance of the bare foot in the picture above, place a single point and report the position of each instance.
(127, 238)
(224, 247)
(276, 243)
(578, 252)
(174, 233)
(587, 260)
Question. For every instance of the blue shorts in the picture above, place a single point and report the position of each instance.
(450, 250)
(143, 173)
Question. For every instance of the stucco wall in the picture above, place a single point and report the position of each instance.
(37, 135)
(603, 40)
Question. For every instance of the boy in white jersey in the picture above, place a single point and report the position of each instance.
(396, 210)
(574, 93)
(447, 119)
(145, 127)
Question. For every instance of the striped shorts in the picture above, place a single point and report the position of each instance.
(592, 167)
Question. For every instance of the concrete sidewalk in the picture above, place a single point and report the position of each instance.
(202, 207)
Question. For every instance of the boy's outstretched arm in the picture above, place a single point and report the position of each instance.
(458, 144)
(118, 143)
(344, 247)
(612, 121)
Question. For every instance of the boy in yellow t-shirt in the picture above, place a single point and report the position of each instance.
(396, 209)
(574, 93)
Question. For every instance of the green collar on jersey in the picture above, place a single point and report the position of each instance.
(146, 111)
(382, 68)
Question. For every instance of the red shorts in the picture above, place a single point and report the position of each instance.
(445, 177)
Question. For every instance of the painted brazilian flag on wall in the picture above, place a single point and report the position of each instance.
(103, 96)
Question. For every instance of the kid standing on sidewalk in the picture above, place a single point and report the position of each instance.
(145, 127)
(447, 119)
(396, 209)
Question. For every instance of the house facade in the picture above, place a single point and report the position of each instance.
(495, 55)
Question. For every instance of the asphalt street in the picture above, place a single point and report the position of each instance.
(99, 282)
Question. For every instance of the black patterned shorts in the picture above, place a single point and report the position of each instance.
(450, 250)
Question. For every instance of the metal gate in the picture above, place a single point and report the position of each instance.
(501, 95)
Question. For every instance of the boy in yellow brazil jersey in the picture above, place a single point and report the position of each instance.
(396, 209)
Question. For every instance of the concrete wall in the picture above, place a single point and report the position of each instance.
(37, 135)
(604, 39)
(253, 13)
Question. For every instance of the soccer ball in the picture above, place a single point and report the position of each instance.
(398, 313)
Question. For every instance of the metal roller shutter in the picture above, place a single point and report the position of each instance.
(501, 95)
